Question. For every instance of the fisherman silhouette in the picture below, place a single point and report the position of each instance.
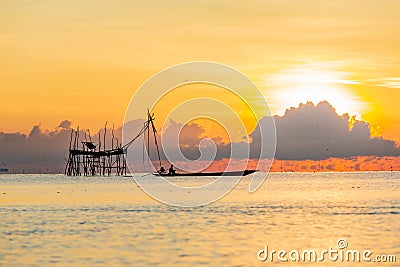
(171, 170)
(162, 170)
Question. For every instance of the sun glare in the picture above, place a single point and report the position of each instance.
(305, 83)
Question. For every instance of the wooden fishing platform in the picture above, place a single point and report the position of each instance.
(88, 158)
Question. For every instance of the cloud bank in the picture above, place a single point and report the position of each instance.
(318, 132)
(308, 132)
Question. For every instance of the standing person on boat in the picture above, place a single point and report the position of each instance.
(171, 170)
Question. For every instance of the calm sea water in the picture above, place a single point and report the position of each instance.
(85, 221)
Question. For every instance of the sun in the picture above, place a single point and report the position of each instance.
(312, 83)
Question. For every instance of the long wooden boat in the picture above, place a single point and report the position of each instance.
(234, 173)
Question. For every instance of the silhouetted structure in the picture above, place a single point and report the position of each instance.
(95, 159)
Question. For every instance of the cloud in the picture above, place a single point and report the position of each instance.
(308, 132)
(41, 148)
(66, 124)
(318, 132)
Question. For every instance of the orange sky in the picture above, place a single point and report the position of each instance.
(83, 60)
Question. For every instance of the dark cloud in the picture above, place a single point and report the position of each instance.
(41, 148)
(306, 132)
(189, 140)
(318, 132)
(66, 124)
